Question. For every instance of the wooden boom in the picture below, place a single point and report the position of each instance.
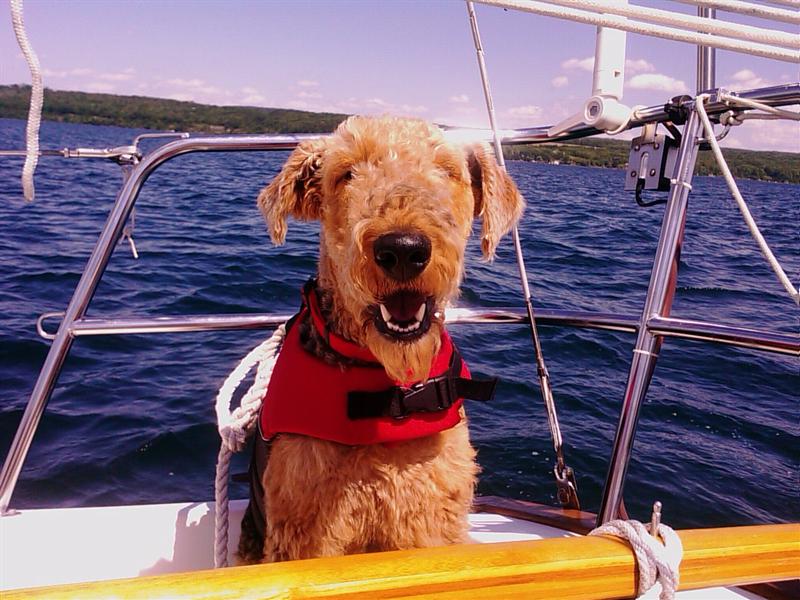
(572, 567)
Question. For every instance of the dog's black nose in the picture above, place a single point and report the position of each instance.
(402, 255)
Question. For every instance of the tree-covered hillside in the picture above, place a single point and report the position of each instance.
(599, 152)
(158, 113)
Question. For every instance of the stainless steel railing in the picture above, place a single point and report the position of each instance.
(653, 324)
(743, 337)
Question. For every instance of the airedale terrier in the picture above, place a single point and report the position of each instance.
(363, 442)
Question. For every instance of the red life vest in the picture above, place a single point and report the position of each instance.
(342, 403)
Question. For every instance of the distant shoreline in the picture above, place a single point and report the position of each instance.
(175, 115)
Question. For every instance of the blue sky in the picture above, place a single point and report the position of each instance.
(363, 57)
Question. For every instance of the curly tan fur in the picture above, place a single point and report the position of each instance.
(371, 177)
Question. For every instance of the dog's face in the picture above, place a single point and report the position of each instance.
(396, 203)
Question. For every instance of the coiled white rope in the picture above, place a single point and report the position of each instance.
(583, 14)
(726, 172)
(237, 425)
(37, 100)
(657, 563)
(624, 125)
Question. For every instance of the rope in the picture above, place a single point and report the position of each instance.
(777, 112)
(236, 426)
(37, 99)
(660, 31)
(726, 172)
(657, 563)
(683, 21)
(624, 126)
(751, 9)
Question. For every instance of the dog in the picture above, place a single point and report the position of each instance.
(396, 202)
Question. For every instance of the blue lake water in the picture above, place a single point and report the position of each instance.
(132, 421)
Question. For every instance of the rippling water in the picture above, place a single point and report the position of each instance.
(132, 420)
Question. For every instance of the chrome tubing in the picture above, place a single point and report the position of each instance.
(95, 326)
(779, 95)
(706, 57)
(779, 343)
(658, 303)
(135, 178)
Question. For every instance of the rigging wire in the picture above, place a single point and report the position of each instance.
(565, 478)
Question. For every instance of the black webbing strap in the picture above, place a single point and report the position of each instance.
(433, 395)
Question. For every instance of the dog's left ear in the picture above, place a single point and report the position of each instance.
(296, 191)
(497, 200)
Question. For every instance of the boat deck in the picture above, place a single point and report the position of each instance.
(95, 544)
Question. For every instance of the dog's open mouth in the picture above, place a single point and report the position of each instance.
(405, 315)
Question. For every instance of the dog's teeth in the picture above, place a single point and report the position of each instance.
(392, 325)
(387, 316)
(420, 312)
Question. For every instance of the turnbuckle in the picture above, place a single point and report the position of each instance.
(566, 486)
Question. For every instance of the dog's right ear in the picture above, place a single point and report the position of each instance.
(296, 191)
(497, 200)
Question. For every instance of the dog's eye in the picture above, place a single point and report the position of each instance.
(346, 176)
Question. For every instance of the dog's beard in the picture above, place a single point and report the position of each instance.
(406, 361)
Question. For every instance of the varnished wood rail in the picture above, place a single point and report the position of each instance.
(575, 567)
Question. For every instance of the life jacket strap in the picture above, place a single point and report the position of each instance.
(433, 395)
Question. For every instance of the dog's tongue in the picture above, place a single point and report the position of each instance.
(403, 306)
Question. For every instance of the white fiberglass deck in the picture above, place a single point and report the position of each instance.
(53, 546)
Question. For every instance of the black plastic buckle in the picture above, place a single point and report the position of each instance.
(397, 408)
(433, 395)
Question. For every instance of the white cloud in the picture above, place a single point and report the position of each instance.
(301, 105)
(730, 142)
(744, 75)
(253, 99)
(309, 95)
(381, 105)
(182, 96)
(783, 136)
(124, 76)
(522, 116)
(560, 81)
(413, 109)
(190, 83)
(658, 82)
(586, 64)
(745, 79)
(459, 99)
(312, 101)
(100, 86)
(307, 83)
(194, 90)
(638, 66)
(77, 72)
(529, 110)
